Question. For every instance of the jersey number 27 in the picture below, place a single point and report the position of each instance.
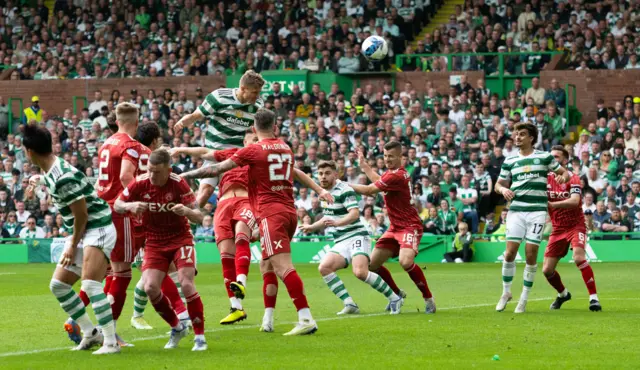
(276, 164)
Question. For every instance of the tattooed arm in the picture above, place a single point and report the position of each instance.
(210, 171)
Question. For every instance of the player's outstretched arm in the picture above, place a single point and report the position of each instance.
(364, 166)
(369, 190)
(120, 206)
(318, 225)
(201, 152)
(187, 121)
(210, 171)
(309, 183)
(562, 175)
(351, 217)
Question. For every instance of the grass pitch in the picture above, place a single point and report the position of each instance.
(466, 331)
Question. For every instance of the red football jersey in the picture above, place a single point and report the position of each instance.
(396, 185)
(119, 147)
(270, 163)
(237, 176)
(565, 218)
(163, 228)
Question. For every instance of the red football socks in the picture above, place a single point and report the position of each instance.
(163, 308)
(170, 290)
(118, 290)
(196, 313)
(587, 276)
(243, 254)
(416, 274)
(385, 274)
(107, 282)
(556, 282)
(294, 285)
(228, 270)
(269, 278)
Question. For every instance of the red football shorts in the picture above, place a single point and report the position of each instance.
(561, 240)
(160, 258)
(229, 212)
(128, 241)
(276, 232)
(395, 240)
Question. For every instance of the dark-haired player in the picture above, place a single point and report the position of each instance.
(404, 234)
(88, 248)
(270, 165)
(149, 136)
(233, 225)
(569, 231)
(167, 204)
(528, 209)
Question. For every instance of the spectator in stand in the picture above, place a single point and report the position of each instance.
(31, 230)
(206, 229)
(462, 246)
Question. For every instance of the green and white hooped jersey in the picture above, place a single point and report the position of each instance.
(228, 120)
(528, 180)
(67, 185)
(344, 201)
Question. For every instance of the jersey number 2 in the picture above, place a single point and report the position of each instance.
(104, 164)
(276, 162)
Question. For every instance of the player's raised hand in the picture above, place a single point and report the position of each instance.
(174, 152)
(362, 160)
(307, 229)
(561, 179)
(508, 194)
(137, 208)
(177, 128)
(326, 196)
(179, 209)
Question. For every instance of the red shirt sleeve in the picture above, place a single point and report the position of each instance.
(131, 192)
(132, 154)
(245, 156)
(187, 197)
(222, 155)
(390, 182)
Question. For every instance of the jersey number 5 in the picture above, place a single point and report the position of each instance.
(276, 164)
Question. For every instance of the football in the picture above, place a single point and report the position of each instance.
(374, 48)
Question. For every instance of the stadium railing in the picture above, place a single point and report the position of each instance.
(500, 82)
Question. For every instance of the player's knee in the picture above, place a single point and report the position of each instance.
(271, 290)
(548, 270)
(361, 272)
(56, 286)
(406, 262)
(151, 288)
(325, 269)
(188, 287)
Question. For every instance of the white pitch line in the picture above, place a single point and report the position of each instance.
(7, 273)
(242, 327)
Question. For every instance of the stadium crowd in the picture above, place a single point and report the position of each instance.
(592, 35)
(102, 39)
(452, 148)
(454, 141)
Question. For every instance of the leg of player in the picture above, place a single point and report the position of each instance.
(204, 193)
(331, 263)
(407, 258)
(529, 275)
(269, 294)
(170, 290)
(360, 263)
(152, 286)
(61, 286)
(508, 271)
(243, 259)
(117, 293)
(283, 267)
(227, 250)
(173, 274)
(140, 300)
(94, 266)
(378, 257)
(553, 277)
(580, 258)
(194, 304)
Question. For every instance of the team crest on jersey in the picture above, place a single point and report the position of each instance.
(168, 197)
(536, 161)
(251, 109)
(239, 114)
